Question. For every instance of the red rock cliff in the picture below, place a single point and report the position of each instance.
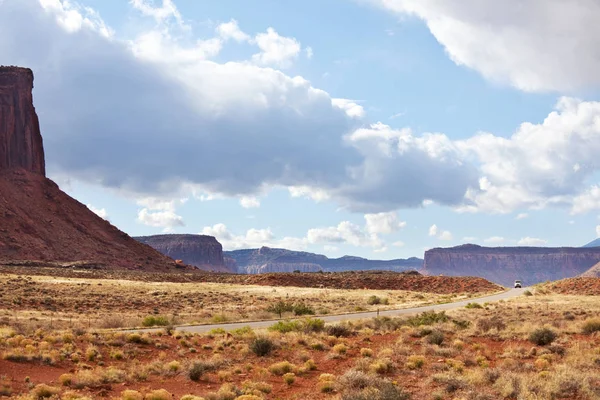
(505, 264)
(201, 251)
(20, 139)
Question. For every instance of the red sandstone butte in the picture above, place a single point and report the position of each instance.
(39, 223)
(21, 143)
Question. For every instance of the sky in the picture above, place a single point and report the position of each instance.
(374, 128)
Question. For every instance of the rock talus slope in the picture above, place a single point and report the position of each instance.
(39, 222)
(505, 264)
(201, 251)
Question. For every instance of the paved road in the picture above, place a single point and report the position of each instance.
(354, 316)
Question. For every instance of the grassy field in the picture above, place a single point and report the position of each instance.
(56, 302)
(538, 346)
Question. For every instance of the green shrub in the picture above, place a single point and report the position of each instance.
(199, 368)
(303, 309)
(590, 326)
(427, 318)
(527, 293)
(473, 305)
(313, 325)
(262, 346)
(286, 326)
(542, 336)
(280, 307)
(158, 320)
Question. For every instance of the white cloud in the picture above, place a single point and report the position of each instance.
(330, 249)
(309, 52)
(275, 49)
(433, 230)
(530, 241)
(317, 195)
(494, 240)
(383, 222)
(231, 30)
(380, 250)
(522, 216)
(346, 232)
(398, 243)
(101, 212)
(597, 230)
(469, 239)
(350, 107)
(445, 235)
(587, 201)
(160, 219)
(253, 238)
(529, 44)
(249, 202)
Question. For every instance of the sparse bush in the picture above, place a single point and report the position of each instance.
(591, 326)
(303, 309)
(280, 307)
(485, 324)
(415, 362)
(340, 348)
(262, 346)
(473, 305)
(527, 293)
(313, 325)
(427, 318)
(155, 320)
(366, 352)
(289, 378)
(160, 394)
(199, 368)
(374, 300)
(286, 326)
(43, 391)
(66, 379)
(281, 368)
(542, 336)
(338, 330)
(131, 395)
(435, 337)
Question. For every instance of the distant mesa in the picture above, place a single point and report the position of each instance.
(40, 223)
(201, 251)
(593, 243)
(503, 265)
(266, 259)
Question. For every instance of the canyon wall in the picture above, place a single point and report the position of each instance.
(201, 251)
(503, 265)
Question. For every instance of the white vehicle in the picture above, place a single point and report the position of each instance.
(518, 284)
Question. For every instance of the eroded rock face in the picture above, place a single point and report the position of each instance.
(201, 251)
(21, 143)
(504, 265)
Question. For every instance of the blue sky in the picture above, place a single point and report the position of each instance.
(377, 128)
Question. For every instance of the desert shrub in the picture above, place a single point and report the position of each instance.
(137, 338)
(303, 309)
(313, 325)
(473, 305)
(160, 394)
(590, 326)
(191, 397)
(280, 307)
(461, 324)
(244, 331)
(310, 365)
(155, 320)
(382, 366)
(281, 368)
(527, 293)
(289, 378)
(451, 383)
(251, 387)
(199, 367)
(415, 362)
(542, 336)
(131, 395)
(366, 352)
(338, 330)
(262, 346)
(427, 318)
(435, 337)
(485, 324)
(357, 385)
(340, 348)
(374, 300)
(43, 391)
(286, 326)
(116, 355)
(66, 379)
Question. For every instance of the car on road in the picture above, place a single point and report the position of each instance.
(518, 284)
